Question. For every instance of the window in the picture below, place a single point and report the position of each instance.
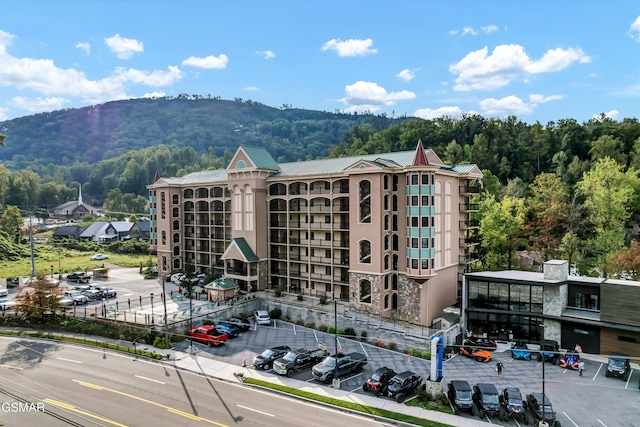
(386, 302)
(164, 237)
(327, 270)
(176, 225)
(176, 238)
(425, 243)
(365, 291)
(414, 179)
(327, 219)
(175, 212)
(176, 250)
(327, 253)
(425, 263)
(425, 179)
(414, 263)
(175, 199)
(327, 236)
(425, 221)
(414, 221)
(394, 282)
(386, 222)
(425, 200)
(365, 201)
(386, 282)
(248, 208)
(365, 252)
(386, 182)
(414, 200)
(163, 212)
(386, 242)
(394, 301)
(414, 243)
(386, 262)
(386, 202)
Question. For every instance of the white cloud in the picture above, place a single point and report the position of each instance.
(252, 88)
(469, 30)
(479, 70)
(154, 78)
(351, 47)
(407, 74)
(535, 98)
(429, 114)
(266, 54)
(86, 47)
(3, 113)
(154, 94)
(38, 105)
(124, 48)
(489, 29)
(507, 106)
(613, 115)
(370, 94)
(634, 31)
(5, 40)
(209, 62)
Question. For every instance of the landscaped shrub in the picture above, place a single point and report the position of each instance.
(426, 355)
(323, 328)
(299, 297)
(350, 332)
(276, 313)
(300, 322)
(310, 325)
(161, 342)
(340, 332)
(331, 330)
(323, 300)
(363, 335)
(415, 352)
(392, 346)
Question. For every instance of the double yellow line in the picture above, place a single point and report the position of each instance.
(168, 408)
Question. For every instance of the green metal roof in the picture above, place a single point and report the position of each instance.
(223, 283)
(217, 175)
(260, 157)
(246, 249)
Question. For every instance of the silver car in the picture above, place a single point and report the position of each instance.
(77, 297)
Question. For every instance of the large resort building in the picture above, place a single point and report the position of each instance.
(390, 233)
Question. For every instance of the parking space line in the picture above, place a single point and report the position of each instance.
(565, 414)
(564, 372)
(538, 365)
(517, 423)
(629, 379)
(356, 389)
(294, 329)
(601, 422)
(488, 419)
(594, 377)
(315, 335)
(364, 351)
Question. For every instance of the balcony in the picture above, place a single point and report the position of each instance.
(278, 271)
(320, 260)
(278, 255)
(468, 259)
(468, 207)
(469, 224)
(468, 241)
(278, 224)
(344, 243)
(320, 208)
(341, 261)
(278, 240)
(342, 279)
(320, 226)
(468, 189)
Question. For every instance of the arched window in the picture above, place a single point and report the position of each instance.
(386, 242)
(394, 282)
(175, 212)
(365, 291)
(176, 250)
(248, 208)
(175, 199)
(164, 237)
(386, 182)
(176, 264)
(395, 222)
(365, 252)
(386, 262)
(395, 261)
(164, 263)
(386, 302)
(386, 223)
(394, 301)
(176, 225)
(365, 201)
(394, 203)
(386, 282)
(395, 242)
(163, 207)
(176, 238)
(386, 202)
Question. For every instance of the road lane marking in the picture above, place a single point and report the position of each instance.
(594, 377)
(12, 367)
(68, 360)
(168, 408)
(149, 379)
(255, 410)
(601, 422)
(79, 411)
(565, 414)
(628, 379)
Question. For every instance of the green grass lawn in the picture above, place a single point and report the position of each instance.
(69, 261)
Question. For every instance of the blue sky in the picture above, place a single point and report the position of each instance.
(537, 60)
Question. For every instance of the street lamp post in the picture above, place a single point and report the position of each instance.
(152, 319)
(51, 273)
(335, 324)
(543, 422)
(59, 268)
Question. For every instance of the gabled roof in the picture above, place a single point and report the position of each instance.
(122, 226)
(94, 229)
(260, 157)
(68, 230)
(223, 283)
(420, 158)
(144, 225)
(239, 248)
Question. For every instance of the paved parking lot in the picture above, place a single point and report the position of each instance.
(589, 401)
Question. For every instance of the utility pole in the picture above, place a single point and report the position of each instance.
(33, 262)
(164, 302)
(335, 324)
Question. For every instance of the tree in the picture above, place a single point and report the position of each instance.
(2, 138)
(609, 195)
(500, 228)
(608, 146)
(12, 221)
(42, 298)
(625, 262)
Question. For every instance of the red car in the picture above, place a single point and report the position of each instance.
(208, 334)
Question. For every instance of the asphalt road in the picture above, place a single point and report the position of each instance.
(88, 387)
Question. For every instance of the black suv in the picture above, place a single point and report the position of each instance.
(266, 359)
(378, 381)
(512, 405)
(539, 411)
(618, 366)
(78, 277)
(549, 351)
(485, 397)
(404, 384)
(459, 394)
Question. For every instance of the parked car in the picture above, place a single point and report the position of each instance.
(298, 360)
(459, 394)
(512, 405)
(520, 351)
(176, 278)
(78, 277)
(266, 358)
(483, 343)
(570, 359)
(208, 334)
(7, 304)
(12, 282)
(81, 288)
(338, 364)
(549, 351)
(228, 329)
(540, 411)
(242, 324)
(106, 291)
(404, 384)
(487, 403)
(92, 294)
(378, 381)
(65, 301)
(4, 292)
(618, 366)
(477, 354)
(77, 297)
(262, 317)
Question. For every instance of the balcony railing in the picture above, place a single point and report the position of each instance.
(468, 207)
(468, 259)
(469, 224)
(469, 241)
(469, 189)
